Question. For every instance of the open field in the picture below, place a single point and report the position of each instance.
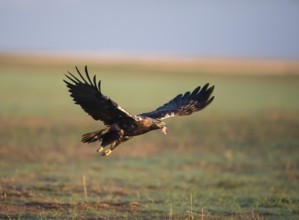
(237, 159)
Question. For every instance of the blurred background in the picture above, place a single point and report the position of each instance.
(255, 29)
(237, 158)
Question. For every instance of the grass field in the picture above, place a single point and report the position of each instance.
(237, 159)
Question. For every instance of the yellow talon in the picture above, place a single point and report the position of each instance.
(107, 152)
(100, 149)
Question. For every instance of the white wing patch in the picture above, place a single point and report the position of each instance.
(136, 118)
(168, 115)
(120, 108)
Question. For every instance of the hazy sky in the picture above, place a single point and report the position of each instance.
(231, 28)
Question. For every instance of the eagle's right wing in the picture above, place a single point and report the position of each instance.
(88, 95)
(184, 104)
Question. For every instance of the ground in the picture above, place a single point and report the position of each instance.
(237, 159)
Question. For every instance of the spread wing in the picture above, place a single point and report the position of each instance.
(184, 104)
(87, 93)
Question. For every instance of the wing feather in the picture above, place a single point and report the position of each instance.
(185, 104)
(87, 75)
(87, 93)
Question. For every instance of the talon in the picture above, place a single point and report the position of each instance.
(100, 149)
(107, 152)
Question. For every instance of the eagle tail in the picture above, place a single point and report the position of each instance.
(93, 136)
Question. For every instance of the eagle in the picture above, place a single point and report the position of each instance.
(120, 124)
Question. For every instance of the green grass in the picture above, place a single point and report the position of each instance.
(237, 159)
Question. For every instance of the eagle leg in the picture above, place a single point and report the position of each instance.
(107, 152)
(112, 147)
(100, 149)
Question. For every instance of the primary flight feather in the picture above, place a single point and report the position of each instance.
(120, 124)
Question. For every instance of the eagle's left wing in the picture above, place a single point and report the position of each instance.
(87, 93)
(184, 104)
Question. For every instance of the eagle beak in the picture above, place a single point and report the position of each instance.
(164, 130)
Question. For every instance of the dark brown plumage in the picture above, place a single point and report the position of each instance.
(120, 124)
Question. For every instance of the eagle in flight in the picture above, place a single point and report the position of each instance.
(120, 124)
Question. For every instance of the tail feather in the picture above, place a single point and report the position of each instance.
(92, 136)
